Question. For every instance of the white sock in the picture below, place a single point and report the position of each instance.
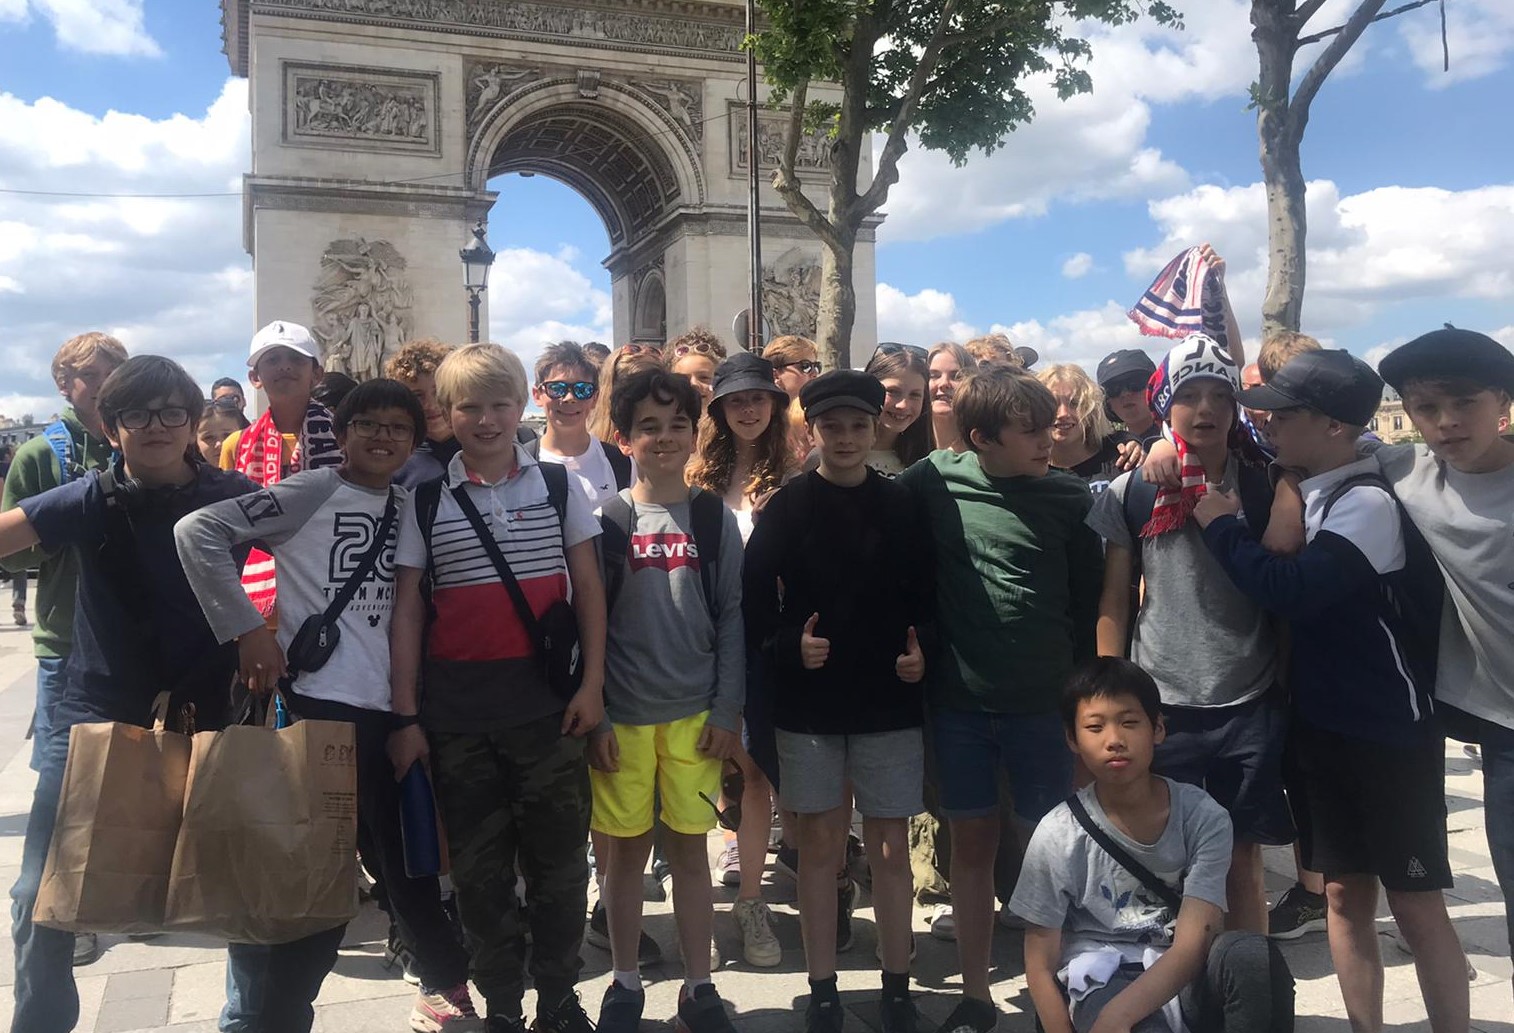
(630, 980)
(694, 984)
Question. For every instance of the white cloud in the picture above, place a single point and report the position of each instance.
(536, 298)
(1078, 266)
(923, 318)
(109, 27)
(1480, 34)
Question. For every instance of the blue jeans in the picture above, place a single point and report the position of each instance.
(971, 747)
(272, 989)
(49, 688)
(1497, 742)
(46, 999)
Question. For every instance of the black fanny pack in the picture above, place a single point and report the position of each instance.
(318, 636)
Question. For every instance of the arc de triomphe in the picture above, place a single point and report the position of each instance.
(377, 125)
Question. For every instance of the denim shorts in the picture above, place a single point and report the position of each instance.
(970, 748)
(886, 771)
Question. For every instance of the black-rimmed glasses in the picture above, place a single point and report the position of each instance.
(169, 417)
(365, 428)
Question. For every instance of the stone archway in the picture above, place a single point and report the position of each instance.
(377, 125)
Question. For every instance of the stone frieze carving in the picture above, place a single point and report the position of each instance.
(362, 306)
(681, 98)
(489, 83)
(371, 109)
(536, 19)
(814, 148)
(791, 293)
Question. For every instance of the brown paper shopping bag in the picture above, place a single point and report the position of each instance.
(118, 820)
(267, 848)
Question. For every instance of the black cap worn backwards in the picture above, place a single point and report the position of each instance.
(1331, 381)
(1124, 363)
(1451, 352)
(842, 388)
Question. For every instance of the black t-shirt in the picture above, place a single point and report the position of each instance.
(861, 558)
(1099, 469)
(138, 628)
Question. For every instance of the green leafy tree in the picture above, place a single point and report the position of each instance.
(948, 73)
(1280, 30)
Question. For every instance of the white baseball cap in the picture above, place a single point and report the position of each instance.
(281, 334)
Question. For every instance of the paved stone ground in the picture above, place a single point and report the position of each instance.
(177, 982)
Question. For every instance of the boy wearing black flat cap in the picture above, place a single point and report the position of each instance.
(1363, 601)
(844, 668)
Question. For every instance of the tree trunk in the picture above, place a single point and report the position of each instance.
(838, 303)
(1287, 231)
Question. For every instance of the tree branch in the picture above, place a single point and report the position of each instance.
(1304, 41)
(786, 181)
(1345, 38)
(897, 142)
(1305, 11)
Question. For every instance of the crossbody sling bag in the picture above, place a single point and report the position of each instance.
(1165, 893)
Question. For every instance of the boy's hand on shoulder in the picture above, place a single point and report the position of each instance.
(1285, 527)
(585, 710)
(910, 665)
(1214, 505)
(260, 661)
(604, 753)
(813, 651)
(717, 743)
(405, 747)
(1132, 455)
(1162, 467)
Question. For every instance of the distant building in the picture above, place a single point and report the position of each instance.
(1391, 422)
(16, 432)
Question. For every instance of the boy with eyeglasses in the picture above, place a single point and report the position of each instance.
(567, 390)
(319, 525)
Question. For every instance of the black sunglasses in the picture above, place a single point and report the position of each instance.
(895, 348)
(809, 367)
(583, 390)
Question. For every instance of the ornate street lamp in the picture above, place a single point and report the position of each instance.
(477, 258)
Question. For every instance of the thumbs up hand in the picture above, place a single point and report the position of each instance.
(813, 652)
(910, 666)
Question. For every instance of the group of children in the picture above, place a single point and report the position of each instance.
(578, 632)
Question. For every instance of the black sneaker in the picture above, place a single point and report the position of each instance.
(505, 1024)
(786, 860)
(824, 1014)
(1298, 913)
(86, 949)
(971, 1016)
(620, 1011)
(898, 1015)
(598, 935)
(701, 1012)
(566, 1016)
(846, 903)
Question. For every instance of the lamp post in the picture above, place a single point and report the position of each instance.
(754, 341)
(477, 258)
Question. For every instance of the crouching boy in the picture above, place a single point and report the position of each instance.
(675, 683)
(1124, 887)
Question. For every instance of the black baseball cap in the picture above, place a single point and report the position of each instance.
(1331, 381)
(744, 372)
(1450, 352)
(842, 388)
(1027, 355)
(1126, 362)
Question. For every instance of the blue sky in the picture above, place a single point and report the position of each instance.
(1412, 195)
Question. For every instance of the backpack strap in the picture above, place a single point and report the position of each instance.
(1356, 480)
(707, 515)
(614, 545)
(427, 499)
(620, 465)
(62, 444)
(1254, 484)
(556, 477)
(1165, 893)
(530, 440)
(1140, 499)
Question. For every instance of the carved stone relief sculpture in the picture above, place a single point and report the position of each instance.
(681, 98)
(368, 109)
(489, 83)
(812, 156)
(362, 306)
(791, 293)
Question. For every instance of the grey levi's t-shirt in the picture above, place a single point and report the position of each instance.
(1068, 882)
(1205, 642)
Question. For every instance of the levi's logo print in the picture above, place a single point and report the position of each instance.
(664, 551)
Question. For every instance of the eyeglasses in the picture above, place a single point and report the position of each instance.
(370, 429)
(1124, 385)
(809, 367)
(894, 348)
(583, 390)
(170, 417)
(637, 349)
(699, 348)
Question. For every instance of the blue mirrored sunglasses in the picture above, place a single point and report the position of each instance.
(583, 390)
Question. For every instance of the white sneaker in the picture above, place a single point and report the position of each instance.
(943, 924)
(758, 944)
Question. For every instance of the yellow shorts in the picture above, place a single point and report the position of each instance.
(664, 757)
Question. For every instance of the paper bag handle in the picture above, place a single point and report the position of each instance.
(160, 710)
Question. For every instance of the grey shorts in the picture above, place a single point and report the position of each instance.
(885, 769)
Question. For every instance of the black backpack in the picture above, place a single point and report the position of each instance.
(706, 514)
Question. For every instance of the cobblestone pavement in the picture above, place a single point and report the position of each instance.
(177, 982)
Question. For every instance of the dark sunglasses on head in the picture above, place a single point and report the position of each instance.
(809, 367)
(894, 348)
(170, 417)
(583, 390)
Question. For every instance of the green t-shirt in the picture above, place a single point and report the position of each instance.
(35, 469)
(1018, 577)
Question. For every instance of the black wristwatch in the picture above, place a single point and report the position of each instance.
(398, 721)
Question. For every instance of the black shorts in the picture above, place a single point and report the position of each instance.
(1365, 808)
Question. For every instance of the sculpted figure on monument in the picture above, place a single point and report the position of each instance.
(345, 107)
(492, 83)
(362, 306)
(791, 293)
(680, 99)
